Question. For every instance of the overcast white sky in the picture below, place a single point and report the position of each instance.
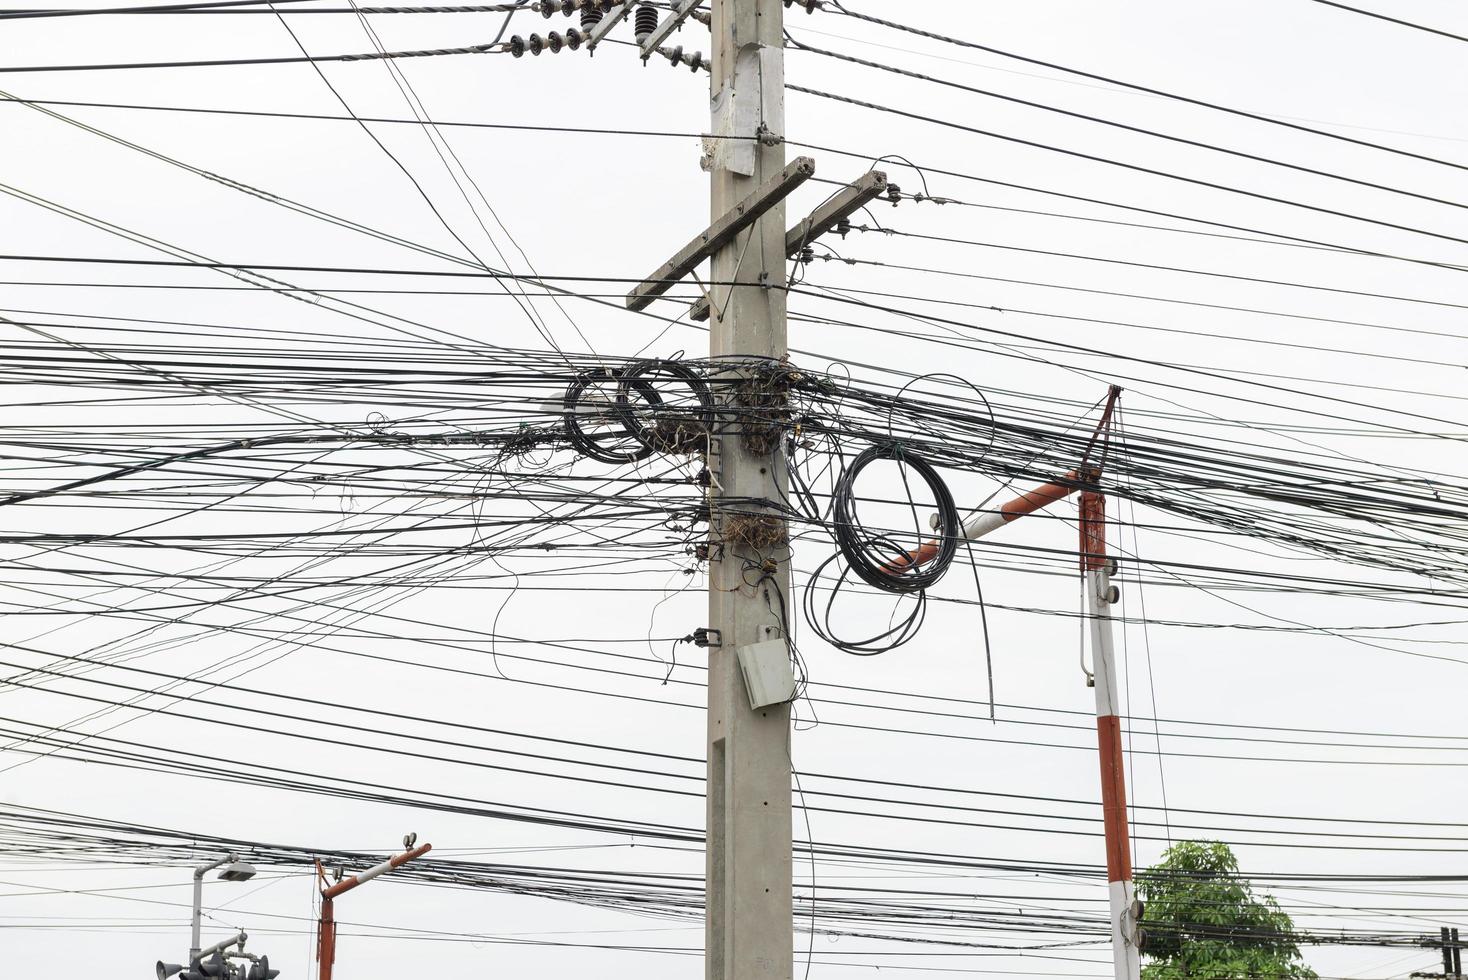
(618, 205)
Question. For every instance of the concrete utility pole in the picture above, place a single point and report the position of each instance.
(750, 915)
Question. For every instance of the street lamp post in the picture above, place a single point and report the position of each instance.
(234, 870)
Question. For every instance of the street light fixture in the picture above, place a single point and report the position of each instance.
(234, 870)
(237, 871)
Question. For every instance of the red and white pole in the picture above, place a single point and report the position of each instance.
(991, 520)
(1100, 595)
(326, 927)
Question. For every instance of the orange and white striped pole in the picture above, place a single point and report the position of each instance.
(990, 520)
(1100, 596)
(326, 927)
(1125, 952)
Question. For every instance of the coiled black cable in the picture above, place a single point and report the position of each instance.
(879, 559)
(876, 558)
(606, 447)
(656, 422)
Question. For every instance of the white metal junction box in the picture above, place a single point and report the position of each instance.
(768, 676)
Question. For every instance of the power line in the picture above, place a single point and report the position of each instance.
(1393, 20)
(225, 62)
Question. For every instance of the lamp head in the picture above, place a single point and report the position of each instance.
(237, 871)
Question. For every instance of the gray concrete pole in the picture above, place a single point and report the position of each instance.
(750, 918)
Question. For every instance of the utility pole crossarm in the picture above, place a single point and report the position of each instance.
(722, 232)
(670, 24)
(611, 20)
(840, 206)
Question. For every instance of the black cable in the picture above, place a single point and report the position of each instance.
(1257, 117)
(1393, 20)
(225, 62)
(1135, 167)
(1126, 127)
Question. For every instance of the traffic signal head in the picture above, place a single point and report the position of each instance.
(213, 967)
(261, 970)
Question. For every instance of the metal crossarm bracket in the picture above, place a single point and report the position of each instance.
(667, 27)
(722, 232)
(844, 203)
(611, 20)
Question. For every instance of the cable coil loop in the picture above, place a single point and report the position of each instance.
(875, 557)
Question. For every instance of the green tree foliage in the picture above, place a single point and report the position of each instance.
(1202, 920)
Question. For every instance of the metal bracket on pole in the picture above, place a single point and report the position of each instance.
(667, 27)
(722, 232)
(843, 204)
(611, 20)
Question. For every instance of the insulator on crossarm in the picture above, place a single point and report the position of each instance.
(590, 16)
(646, 22)
(553, 42)
(574, 38)
(676, 57)
(536, 44)
(517, 46)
